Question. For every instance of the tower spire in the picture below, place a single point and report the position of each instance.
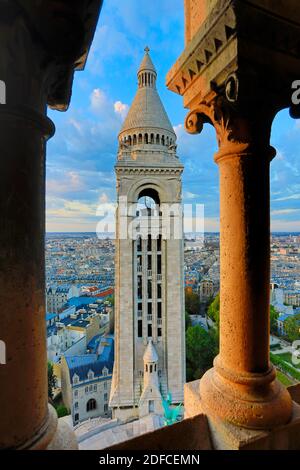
(147, 113)
(147, 72)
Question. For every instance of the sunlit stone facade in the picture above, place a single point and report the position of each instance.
(149, 266)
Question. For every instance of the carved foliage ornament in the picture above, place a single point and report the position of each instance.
(237, 133)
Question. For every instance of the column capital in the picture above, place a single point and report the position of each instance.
(240, 130)
(42, 45)
(245, 52)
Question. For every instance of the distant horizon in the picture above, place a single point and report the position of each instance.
(208, 231)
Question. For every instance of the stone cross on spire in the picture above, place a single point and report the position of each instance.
(147, 50)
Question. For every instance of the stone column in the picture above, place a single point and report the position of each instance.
(36, 68)
(237, 81)
(242, 387)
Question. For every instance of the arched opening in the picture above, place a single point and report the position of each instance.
(167, 141)
(129, 140)
(134, 139)
(140, 140)
(148, 209)
(146, 139)
(157, 139)
(163, 140)
(148, 201)
(152, 139)
(91, 404)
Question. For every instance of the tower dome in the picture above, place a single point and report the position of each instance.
(147, 121)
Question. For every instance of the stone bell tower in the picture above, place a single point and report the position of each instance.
(149, 303)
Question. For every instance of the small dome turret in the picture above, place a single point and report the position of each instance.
(150, 354)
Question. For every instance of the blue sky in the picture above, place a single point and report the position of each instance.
(82, 154)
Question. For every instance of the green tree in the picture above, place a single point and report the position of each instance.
(51, 381)
(192, 302)
(201, 349)
(273, 319)
(292, 328)
(62, 410)
(213, 311)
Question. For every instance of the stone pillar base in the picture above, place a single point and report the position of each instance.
(226, 436)
(64, 438)
(56, 435)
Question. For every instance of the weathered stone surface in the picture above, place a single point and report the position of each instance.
(294, 391)
(189, 434)
(64, 438)
(226, 436)
(246, 51)
(147, 164)
(41, 43)
(232, 47)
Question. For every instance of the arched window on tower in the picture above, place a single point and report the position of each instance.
(134, 139)
(152, 139)
(140, 139)
(157, 139)
(129, 140)
(148, 203)
(167, 141)
(163, 140)
(146, 139)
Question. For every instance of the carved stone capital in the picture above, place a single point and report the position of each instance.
(238, 132)
(42, 44)
(245, 51)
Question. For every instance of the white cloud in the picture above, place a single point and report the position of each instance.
(103, 199)
(288, 198)
(285, 225)
(189, 195)
(99, 100)
(284, 211)
(121, 109)
(77, 124)
(70, 181)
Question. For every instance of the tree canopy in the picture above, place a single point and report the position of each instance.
(292, 328)
(273, 319)
(213, 311)
(192, 302)
(201, 349)
(51, 381)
